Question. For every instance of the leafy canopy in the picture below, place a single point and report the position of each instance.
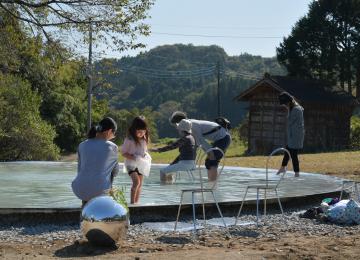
(116, 22)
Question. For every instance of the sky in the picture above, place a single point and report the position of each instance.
(239, 26)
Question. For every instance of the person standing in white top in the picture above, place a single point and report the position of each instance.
(137, 159)
(97, 162)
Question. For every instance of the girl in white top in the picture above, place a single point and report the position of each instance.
(137, 159)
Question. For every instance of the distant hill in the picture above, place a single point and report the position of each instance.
(184, 77)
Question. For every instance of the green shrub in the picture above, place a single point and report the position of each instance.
(23, 135)
(119, 196)
(355, 132)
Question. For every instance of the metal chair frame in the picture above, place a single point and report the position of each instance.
(190, 172)
(202, 190)
(266, 187)
(353, 188)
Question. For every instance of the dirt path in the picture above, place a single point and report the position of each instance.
(290, 246)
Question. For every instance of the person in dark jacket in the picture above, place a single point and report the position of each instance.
(295, 131)
(186, 159)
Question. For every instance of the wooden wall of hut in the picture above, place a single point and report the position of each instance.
(267, 122)
(327, 127)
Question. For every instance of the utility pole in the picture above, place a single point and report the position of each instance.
(218, 88)
(90, 76)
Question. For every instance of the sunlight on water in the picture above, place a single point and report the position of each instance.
(48, 185)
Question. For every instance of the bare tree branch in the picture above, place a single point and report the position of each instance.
(110, 18)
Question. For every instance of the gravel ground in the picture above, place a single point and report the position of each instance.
(274, 228)
(290, 237)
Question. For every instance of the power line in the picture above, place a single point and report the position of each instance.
(243, 76)
(168, 72)
(163, 75)
(223, 27)
(218, 36)
(174, 58)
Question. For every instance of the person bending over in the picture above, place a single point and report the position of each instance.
(206, 130)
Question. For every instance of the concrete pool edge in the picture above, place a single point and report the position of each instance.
(151, 213)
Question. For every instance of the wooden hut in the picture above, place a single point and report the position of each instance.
(327, 114)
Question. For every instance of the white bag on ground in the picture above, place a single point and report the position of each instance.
(352, 211)
(336, 212)
(345, 212)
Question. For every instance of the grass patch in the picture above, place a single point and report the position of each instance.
(342, 164)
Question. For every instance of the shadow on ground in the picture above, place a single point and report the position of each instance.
(82, 249)
(173, 240)
(244, 233)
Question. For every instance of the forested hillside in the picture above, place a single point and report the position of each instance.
(172, 77)
(43, 90)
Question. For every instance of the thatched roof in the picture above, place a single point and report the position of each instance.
(309, 91)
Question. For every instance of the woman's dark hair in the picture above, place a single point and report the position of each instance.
(285, 98)
(138, 123)
(104, 125)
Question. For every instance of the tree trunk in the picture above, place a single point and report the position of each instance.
(358, 82)
(349, 85)
(342, 80)
(348, 65)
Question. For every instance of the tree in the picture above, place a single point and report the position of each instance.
(23, 135)
(163, 114)
(110, 19)
(323, 44)
(52, 74)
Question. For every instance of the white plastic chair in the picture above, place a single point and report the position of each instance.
(352, 187)
(203, 190)
(268, 186)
